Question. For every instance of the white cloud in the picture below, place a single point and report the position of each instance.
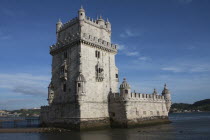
(134, 53)
(120, 47)
(128, 33)
(183, 88)
(25, 83)
(143, 58)
(188, 67)
(4, 36)
(173, 69)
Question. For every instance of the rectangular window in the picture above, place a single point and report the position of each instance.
(64, 87)
(79, 85)
(116, 75)
(62, 70)
(65, 55)
(97, 54)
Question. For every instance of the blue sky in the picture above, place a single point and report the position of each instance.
(160, 41)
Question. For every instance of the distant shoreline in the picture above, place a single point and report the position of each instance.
(188, 112)
(32, 130)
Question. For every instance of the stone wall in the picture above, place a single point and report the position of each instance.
(126, 111)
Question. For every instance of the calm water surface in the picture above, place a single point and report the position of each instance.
(192, 126)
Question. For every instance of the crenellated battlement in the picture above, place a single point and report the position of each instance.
(84, 38)
(104, 25)
(68, 24)
(137, 97)
(45, 108)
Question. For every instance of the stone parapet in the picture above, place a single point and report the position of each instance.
(84, 38)
(137, 97)
(95, 23)
(45, 108)
(68, 24)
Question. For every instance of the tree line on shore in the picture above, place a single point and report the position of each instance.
(203, 105)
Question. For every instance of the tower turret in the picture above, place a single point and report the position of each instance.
(101, 21)
(166, 93)
(125, 88)
(108, 24)
(58, 25)
(81, 13)
(50, 93)
(154, 92)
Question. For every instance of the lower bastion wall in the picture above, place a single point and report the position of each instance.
(76, 115)
(137, 109)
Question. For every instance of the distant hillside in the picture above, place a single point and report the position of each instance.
(203, 105)
(27, 112)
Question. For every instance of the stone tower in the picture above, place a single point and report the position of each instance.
(83, 74)
(167, 95)
(83, 92)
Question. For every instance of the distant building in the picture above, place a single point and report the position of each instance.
(83, 92)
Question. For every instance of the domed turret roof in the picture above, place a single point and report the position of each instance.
(59, 21)
(82, 9)
(124, 84)
(154, 92)
(80, 78)
(165, 90)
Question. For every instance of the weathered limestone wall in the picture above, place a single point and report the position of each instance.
(136, 108)
(96, 30)
(95, 103)
(72, 68)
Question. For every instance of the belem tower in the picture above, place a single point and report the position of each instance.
(84, 91)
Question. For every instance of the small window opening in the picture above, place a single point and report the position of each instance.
(64, 87)
(113, 114)
(97, 54)
(79, 85)
(62, 70)
(126, 91)
(81, 14)
(65, 55)
(116, 75)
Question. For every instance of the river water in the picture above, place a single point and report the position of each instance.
(186, 126)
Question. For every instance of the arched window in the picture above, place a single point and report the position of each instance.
(126, 91)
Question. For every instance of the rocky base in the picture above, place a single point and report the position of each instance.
(84, 124)
(140, 122)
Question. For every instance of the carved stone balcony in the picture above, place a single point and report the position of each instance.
(63, 76)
